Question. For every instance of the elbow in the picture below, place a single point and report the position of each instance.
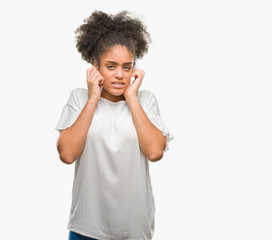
(156, 156)
(65, 156)
(66, 159)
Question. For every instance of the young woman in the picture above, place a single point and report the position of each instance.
(111, 130)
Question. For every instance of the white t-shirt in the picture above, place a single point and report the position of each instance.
(112, 195)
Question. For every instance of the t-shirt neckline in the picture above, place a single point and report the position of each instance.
(106, 100)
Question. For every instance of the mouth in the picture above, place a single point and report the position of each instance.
(117, 84)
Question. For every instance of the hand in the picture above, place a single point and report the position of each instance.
(94, 82)
(132, 90)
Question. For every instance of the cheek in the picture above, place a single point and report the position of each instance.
(127, 83)
(107, 77)
(129, 79)
(107, 83)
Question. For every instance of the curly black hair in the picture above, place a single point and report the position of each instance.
(102, 31)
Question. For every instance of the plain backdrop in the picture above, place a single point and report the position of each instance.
(210, 67)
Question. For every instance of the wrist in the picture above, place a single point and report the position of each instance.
(93, 100)
(130, 95)
(131, 98)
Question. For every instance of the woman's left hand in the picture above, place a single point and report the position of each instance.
(132, 90)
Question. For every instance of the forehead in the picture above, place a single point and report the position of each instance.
(118, 53)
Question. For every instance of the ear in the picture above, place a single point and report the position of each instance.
(96, 65)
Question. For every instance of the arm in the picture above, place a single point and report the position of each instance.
(151, 140)
(71, 141)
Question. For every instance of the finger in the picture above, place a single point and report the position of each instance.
(96, 79)
(93, 74)
(138, 80)
(137, 75)
(97, 76)
(135, 79)
(138, 71)
(134, 72)
(101, 81)
(96, 67)
(89, 70)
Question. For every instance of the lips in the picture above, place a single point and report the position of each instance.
(118, 84)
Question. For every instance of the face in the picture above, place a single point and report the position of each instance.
(116, 69)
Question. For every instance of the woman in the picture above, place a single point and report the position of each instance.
(111, 131)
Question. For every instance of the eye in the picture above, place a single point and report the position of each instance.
(110, 67)
(127, 68)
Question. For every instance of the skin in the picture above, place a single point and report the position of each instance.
(115, 67)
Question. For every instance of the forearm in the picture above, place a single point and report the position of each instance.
(151, 140)
(72, 140)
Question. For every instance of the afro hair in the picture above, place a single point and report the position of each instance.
(102, 31)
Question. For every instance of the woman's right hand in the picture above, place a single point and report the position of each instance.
(94, 82)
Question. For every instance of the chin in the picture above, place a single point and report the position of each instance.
(115, 92)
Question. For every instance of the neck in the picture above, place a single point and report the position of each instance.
(111, 97)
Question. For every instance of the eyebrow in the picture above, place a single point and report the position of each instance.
(127, 63)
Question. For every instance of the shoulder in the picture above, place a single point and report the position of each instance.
(78, 96)
(145, 95)
(79, 91)
(147, 99)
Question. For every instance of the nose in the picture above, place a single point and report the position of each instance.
(119, 73)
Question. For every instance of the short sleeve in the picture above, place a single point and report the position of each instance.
(153, 113)
(69, 114)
